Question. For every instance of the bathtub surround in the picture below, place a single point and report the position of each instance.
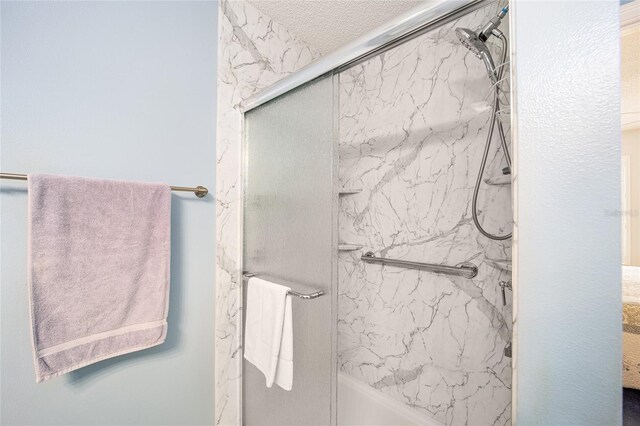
(98, 262)
(449, 393)
(411, 137)
(254, 52)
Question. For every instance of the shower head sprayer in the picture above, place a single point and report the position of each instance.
(475, 42)
(471, 41)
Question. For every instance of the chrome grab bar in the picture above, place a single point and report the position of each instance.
(304, 296)
(467, 270)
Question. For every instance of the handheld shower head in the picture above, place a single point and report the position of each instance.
(475, 41)
(472, 41)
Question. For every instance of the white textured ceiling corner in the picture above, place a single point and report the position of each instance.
(329, 24)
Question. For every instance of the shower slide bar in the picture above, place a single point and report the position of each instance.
(199, 191)
(467, 270)
(304, 296)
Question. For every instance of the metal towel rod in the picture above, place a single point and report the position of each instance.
(304, 296)
(200, 191)
(467, 270)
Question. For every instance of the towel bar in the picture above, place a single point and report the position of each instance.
(200, 191)
(304, 296)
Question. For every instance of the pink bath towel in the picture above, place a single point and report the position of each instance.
(98, 269)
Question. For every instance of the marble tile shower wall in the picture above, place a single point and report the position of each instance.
(411, 137)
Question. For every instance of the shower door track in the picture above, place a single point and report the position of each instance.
(415, 22)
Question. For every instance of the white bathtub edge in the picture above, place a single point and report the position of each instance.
(377, 397)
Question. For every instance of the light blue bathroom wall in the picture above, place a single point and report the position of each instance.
(121, 90)
(567, 257)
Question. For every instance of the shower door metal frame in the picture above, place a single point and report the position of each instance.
(405, 27)
(332, 295)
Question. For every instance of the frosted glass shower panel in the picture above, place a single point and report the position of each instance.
(290, 237)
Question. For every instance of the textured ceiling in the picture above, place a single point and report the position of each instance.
(329, 24)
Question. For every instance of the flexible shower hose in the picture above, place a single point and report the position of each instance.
(485, 155)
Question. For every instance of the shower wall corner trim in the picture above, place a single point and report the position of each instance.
(408, 25)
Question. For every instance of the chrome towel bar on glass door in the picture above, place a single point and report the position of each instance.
(200, 191)
(467, 270)
(305, 296)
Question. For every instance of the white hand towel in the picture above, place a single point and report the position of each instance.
(268, 335)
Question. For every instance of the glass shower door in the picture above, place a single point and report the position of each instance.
(290, 237)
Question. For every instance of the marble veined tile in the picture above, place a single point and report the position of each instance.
(412, 134)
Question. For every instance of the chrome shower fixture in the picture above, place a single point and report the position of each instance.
(493, 24)
(476, 42)
(472, 41)
(476, 45)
